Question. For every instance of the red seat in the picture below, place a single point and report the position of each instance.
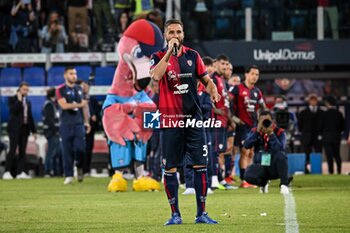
(100, 146)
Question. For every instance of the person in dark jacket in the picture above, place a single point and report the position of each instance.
(50, 116)
(270, 159)
(309, 123)
(333, 124)
(19, 127)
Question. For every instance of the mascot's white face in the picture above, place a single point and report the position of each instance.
(132, 73)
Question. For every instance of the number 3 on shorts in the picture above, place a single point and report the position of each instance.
(205, 150)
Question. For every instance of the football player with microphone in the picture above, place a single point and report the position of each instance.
(178, 69)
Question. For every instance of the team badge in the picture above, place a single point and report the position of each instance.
(189, 62)
(255, 94)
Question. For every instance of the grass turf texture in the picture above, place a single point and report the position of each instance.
(46, 205)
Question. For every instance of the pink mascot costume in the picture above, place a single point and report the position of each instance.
(125, 103)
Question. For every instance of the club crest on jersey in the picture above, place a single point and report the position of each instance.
(255, 94)
(244, 93)
(189, 62)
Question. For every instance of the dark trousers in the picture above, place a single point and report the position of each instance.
(15, 164)
(316, 145)
(333, 152)
(53, 152)
(89, 149)
(72, 146)
(259, 175)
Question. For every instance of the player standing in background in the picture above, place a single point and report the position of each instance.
(220, 113)
(247, 100)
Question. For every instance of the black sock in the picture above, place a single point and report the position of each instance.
(201, 187)
(241, 173)
(228, 161)
(171, 187)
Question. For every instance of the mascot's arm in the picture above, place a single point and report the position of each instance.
(144, 134)
(118, 125)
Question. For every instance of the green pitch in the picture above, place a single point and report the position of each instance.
(46, 205)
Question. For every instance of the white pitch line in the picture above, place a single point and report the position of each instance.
(290, 215)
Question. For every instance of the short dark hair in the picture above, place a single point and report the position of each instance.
(173, 21)
(248, 68)
(23, 84)
(222, 57)
(51, 92)
(265, 112)
(331, 100)
(208, 61)
(69, 68)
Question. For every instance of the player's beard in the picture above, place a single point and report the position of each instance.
(71, 81)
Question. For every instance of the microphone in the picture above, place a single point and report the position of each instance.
(175, 49)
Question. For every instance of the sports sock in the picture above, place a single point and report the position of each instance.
(171, 186)
(228, 168)
(241, 173)
(201, 187)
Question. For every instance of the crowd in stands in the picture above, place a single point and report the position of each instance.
(70, 26)
(95, 25)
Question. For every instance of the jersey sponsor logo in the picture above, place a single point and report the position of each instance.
(250, 104)
(189, 62)
(181, 89)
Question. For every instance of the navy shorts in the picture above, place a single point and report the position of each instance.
(241, 134)
(219, 139)
(178, 143)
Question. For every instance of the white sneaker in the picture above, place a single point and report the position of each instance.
(210, 191)
(264, 189)
(80, 175)
(23, 175)
(68, 180)
(189, 191)
(284, 189)
(7, 176)
(214, 182)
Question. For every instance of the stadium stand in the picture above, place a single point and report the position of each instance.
(104, 75)
(83, 72)
(100, 157)
(35, 76)
(10, 77)
(55, 76)
(37, 104)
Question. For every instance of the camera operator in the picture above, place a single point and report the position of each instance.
(53, 35)
(270, 159)
(286, 120)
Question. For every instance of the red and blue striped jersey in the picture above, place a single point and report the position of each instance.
(223, 103)
(178, 86)
(246, 103)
